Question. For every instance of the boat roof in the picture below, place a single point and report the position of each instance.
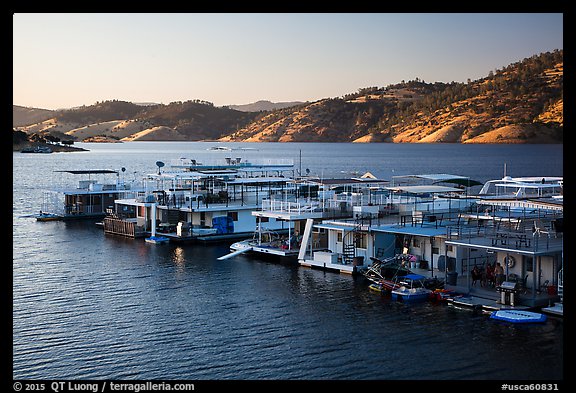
(433, 177)
(537, 178)
(88, 171)
(353, 180)
(441, 178)
(425, 189)
(527, 185)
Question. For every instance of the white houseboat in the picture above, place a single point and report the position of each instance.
(94, 194)
(418, 211)
(523, 187)
(208, 200)
(310, 198)
(524, 236)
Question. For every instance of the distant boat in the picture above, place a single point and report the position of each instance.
(518, 316)
(220, 148)
(43, 216)
(36, 149)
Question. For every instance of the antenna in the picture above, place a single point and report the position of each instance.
(300, 170)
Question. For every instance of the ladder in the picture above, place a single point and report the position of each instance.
(348, 253)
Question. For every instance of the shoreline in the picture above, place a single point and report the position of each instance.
(54, 147)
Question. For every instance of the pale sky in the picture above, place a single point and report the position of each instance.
(67, 60)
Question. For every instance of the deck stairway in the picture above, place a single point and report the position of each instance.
(350, 240)
(348, 252)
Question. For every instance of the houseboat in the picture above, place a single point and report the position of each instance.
(202, 201)
(94, 194)
(523, 187)
(309, 198)
(525, 237)
(410, 217)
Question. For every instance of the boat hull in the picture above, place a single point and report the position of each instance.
(377, 288)
(410, 296)
(157, 240)
(47, 217)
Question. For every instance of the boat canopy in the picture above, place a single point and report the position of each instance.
(415, 277)
(426, 189)
(434, 177)
(463, 182)
(89, 171)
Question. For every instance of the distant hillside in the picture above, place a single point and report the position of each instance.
(522, 103)
(191, 120)
(264, 105)
(23, 116)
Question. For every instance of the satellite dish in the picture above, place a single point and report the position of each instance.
(307, 171)
(159, 164)
(123, 169)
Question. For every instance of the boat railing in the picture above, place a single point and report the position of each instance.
(280, 206)
(357, 224)
(359, 199)
(508, 236)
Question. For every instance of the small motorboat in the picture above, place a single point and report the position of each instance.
(518, 316)
(157, 240)
(411, 289)
(43, 216)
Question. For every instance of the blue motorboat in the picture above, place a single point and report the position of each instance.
(411, 288)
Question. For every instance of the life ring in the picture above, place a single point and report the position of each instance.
(509, 261)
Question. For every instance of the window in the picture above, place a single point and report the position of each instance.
(361, 240)
(416, 242)
(435, 250)
(528, 263)
(264, 219)
(339, 238)
(233, 215)
(449, 248)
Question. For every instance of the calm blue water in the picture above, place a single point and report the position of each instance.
(92, 306)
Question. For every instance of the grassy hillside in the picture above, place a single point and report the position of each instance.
(522, 103)
(23, 116)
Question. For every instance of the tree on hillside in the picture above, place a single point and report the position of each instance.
(19, 137)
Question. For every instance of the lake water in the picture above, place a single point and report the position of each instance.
(92, 306)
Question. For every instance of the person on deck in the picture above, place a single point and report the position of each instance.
(476, 275)
(488, 276)
(499, 274)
